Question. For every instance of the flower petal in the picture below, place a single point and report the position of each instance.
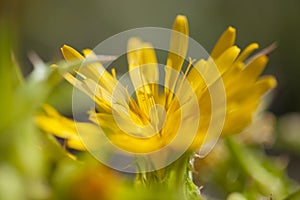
(255, 68)
(226, 59)
(225, 41)
(143, 72)
(71, 54)
(56, 124)
(178, 43)
(247, 51)
(177, 53)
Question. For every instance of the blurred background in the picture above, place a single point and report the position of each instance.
(43, 26)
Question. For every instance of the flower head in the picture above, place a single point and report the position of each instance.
(150, 119)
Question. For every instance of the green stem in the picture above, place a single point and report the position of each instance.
(174, 179)
(177, 176)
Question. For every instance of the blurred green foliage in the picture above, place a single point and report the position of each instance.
(239, 171)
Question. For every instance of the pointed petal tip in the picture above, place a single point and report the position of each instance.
(64, 47)
(181, 18)
(272, 82)
(254, 45)
(236, 48)
(264, 59)
(266, 83)
(70, 54)
(231, 29)
(134, 40)
(225, 41)
(230, 33)
(181, 24)
(87, 52)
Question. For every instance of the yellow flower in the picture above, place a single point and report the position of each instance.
(158, 111)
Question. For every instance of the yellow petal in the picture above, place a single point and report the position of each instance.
(50, 110)
(195, 77)
(204, 74)
(90, 93)
(94, 70)
(241, 118)
(225, 41)
(143, 72)
(76, 144)
(91, 136)
(226, 59)
(141, 54)
(178, 43)
(56, 124)
(71, 54)
(247, 51)
(62, 127)
(149, 63)
(97, 72)
(177, 53)
(255, 68)
(265, 83)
